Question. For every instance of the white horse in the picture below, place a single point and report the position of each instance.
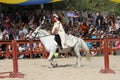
(51, 45)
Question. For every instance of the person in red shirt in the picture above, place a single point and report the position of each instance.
(84, 27)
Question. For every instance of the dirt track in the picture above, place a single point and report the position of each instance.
(37, 69)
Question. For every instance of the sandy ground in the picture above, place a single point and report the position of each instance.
(37, 69)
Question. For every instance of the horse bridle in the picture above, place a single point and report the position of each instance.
(38, 28)
(40, 36)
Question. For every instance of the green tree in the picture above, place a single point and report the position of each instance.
(90, 5)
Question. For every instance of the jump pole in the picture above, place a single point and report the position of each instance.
(15, 73)
(106, 59)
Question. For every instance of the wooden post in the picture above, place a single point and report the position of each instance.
(15, 73)
(31, 49)
(106, 59)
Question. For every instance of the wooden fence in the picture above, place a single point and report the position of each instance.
(11, 50)
(7, 53)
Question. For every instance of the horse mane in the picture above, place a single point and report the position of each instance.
(44, 31)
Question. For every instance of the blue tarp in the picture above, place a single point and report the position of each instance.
(34, 2)
(27, 2)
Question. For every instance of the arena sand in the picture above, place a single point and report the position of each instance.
(37, 69)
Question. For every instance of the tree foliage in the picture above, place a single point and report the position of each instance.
(91, 5)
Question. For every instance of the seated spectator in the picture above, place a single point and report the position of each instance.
(21, 47)
(1, 23)
(89, 45)
(1, 52)
(28, 34)
(84, 27)
(1, 34)
(94, 35)
(38, 47)
(94, 47)
(7, 22)
(118, 47)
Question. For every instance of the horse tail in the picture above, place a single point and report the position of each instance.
(85, 49)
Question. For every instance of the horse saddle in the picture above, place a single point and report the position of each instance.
(71, 40)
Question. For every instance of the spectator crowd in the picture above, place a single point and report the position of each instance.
(83, 24)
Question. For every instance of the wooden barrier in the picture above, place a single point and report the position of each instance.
(31, 51)
(106, 59)
(107, 51)
(96, 40)
(6, 53)
(15, 52)
(112, 46)
(14, 73)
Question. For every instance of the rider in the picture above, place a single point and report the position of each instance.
(58, 31)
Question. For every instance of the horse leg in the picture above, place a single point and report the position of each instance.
(50, 58)
(78, 61)
(77, 51)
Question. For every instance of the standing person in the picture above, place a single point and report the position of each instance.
(99, 21)
(70, 16)
(58, 31)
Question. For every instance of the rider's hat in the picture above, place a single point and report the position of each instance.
(55, 15)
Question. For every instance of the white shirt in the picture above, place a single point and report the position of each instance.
(58, 26)
(60, 30)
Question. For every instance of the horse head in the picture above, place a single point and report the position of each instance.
(39, 32)
(35, 33)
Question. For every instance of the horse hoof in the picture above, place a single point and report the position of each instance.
(50, 66)
(77, 66)
(56, 65)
